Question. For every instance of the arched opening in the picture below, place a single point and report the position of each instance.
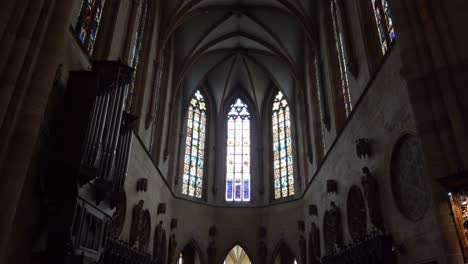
(284, 255)
(237, 255)
(190, 254)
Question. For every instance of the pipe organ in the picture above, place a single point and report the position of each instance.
(93, 146)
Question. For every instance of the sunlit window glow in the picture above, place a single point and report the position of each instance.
(282, 148)
(192, 183)
(238, 153)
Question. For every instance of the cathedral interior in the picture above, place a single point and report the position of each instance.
(233, 131)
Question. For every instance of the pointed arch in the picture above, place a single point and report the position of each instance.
(237, 255)
(194, 155)
(191, 253)
(282, 254)
(283, 168)
(238, 156)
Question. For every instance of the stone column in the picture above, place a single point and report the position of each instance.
(20, 150)
(431, 69)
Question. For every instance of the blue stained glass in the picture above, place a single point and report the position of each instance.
(193, 164)
(246, 189)
(384, 23)
(238, 152)
(282, 164)
(88, 23)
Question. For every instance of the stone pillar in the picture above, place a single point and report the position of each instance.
(18, 68)
(20, 150)
(431, 71)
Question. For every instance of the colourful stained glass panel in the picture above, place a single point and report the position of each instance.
(384, 24)
(238, 153)
(192, 184)
(282, 148)
(88, 23)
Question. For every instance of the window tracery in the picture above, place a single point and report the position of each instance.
(238, 153)
(282, 148)
(192, 184)
(384, 24)
(342, 57)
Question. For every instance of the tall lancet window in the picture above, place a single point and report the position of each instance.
(342, 56)
(88, 23)
(192, 184)
(384, 24)
(282, 148)
(238, 153)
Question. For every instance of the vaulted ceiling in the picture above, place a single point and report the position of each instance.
(227, 46)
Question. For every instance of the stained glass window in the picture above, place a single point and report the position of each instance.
(342, 59)
(384, 23)
(139, 35)
(282, 148)
(238, 153)
(88, 23)
(136, 51)
(192, 183)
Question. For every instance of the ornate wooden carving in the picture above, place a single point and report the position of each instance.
(363, 148)
(136, 216)
(357, 215)
(332, 186)
(371, 192)
(314, 245)
(313, 210)
(409, 178)
(373, 249)
(332, 229)
(120, 252)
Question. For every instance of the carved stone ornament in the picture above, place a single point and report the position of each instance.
(301, 225)
(118, 220)
(142, 185)
(332, 229)
(262, 232)
(212, 231)
(332, 186)
(144, 230)
(172, 249)
(303, 249)
(371, 193)
(136, 216)
(314, 245)
(161, 208)
(363, 148)
(357, 215)
(211, 252)
(313, 210)
(263, 252)
(174, 223)
(158, 241)
(410, 182)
